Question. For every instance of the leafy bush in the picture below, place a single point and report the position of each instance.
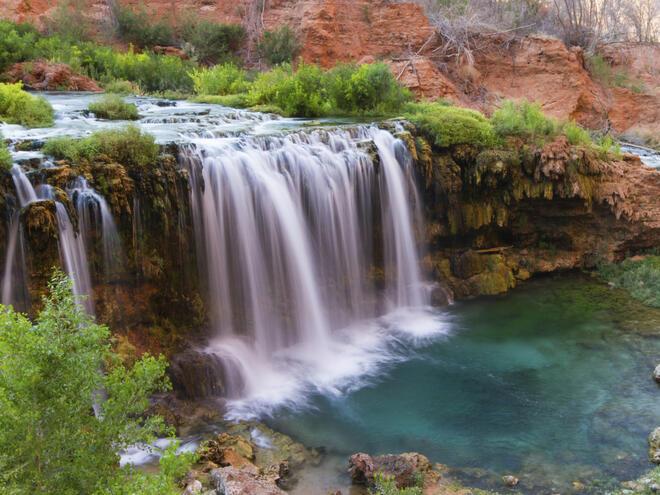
(385, 485)
(51, 375)
(136, 27)
(575, 134)
(70, 21)
(449, 126)
(121, 87)
(523, 119)
(6, 161)
(278, 46)
(113, 107)
(211, 42)
(128, 146)
(235, 101)
(17, 43)
(19, 107)
(367, 88)
(640, 278)
(606, 146)
(226, 79)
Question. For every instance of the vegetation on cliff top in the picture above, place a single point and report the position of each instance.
(51, 375)
(309, 91)
(20, 107)
(129, 146)
(113, 107)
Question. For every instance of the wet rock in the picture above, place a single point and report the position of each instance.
(442, 295)
(510, 480)
(245, 481)
(227, 450)
(654, 444)
(193, 488)
(402, 468)
(467, 264)
(196, 375)
(656, 373)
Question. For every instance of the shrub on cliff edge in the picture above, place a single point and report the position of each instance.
(5, 156)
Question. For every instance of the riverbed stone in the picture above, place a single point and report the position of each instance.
(656, 373)
(510, 480)
(193, 488)
(233, 481)
(402, 468)
(227, 450)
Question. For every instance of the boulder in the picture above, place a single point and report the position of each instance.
(402, 468)
(193, 488)
(246, 481)
(510, 480)
(227, 450)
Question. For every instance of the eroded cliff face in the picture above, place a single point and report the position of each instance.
(494, 218)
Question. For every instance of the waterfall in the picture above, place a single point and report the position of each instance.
(94, 217)
(71, 246)
(300, 236)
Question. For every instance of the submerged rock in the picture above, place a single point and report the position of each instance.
(510, 480)
(656, 373)
(654, 444)
(402, 468)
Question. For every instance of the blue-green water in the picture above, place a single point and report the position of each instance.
(551, 382)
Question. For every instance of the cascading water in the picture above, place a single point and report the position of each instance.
(300, 238)
(95, 218)
(72, 251)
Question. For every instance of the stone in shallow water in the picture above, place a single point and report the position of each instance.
(510, 480)
(656, 373)
(232, 481)
(402, 468)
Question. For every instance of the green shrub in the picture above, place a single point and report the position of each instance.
(212, 42)
(575, 134)
(51, 374)
(136, 27)
(226, 79)
(385, 485)
(301, 94)
(449, 126)
(17, 42)
(278, 46)
(607, 146)
(640, 278)
(523, 119)
(70, 21)
(599, 69)
(367, 88)
(234, 101)
(6, 161)
(121, 87)
(128, 146)
(113, 107)
(19, 107)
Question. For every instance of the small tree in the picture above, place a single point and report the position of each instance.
(278, 46)
(52, 374)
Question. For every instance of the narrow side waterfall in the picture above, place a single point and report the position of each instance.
(301, 237)
(71, 247)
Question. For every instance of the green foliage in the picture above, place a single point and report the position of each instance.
(6, 161)
(278, 46)
(51, 375)
(225, 79)
(212, 42)
(607, 146)
(113, 107)
(128, 146)
(120, 87)
(136, 27)
(600, 69)
(640, 278)
(523, 119)
(17, 43)
(367, 88)
(575, 134)
(385, 485)
(20, 107)
(70, 21)
(449, 126)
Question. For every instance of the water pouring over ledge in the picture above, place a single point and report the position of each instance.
(306, 243)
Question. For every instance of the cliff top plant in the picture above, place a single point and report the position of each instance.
(5, 156)
(51, 375)
(113, 107)
(449, 126)
(20, 107)
(129, 146)
(523, 119)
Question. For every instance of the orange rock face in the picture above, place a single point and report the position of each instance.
(42, 76)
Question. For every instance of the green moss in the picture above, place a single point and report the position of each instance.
(6, 161)
(523, 119)
(448, 126)
(113, 107)
(639, 277)
(20, 107)
(129, 146)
